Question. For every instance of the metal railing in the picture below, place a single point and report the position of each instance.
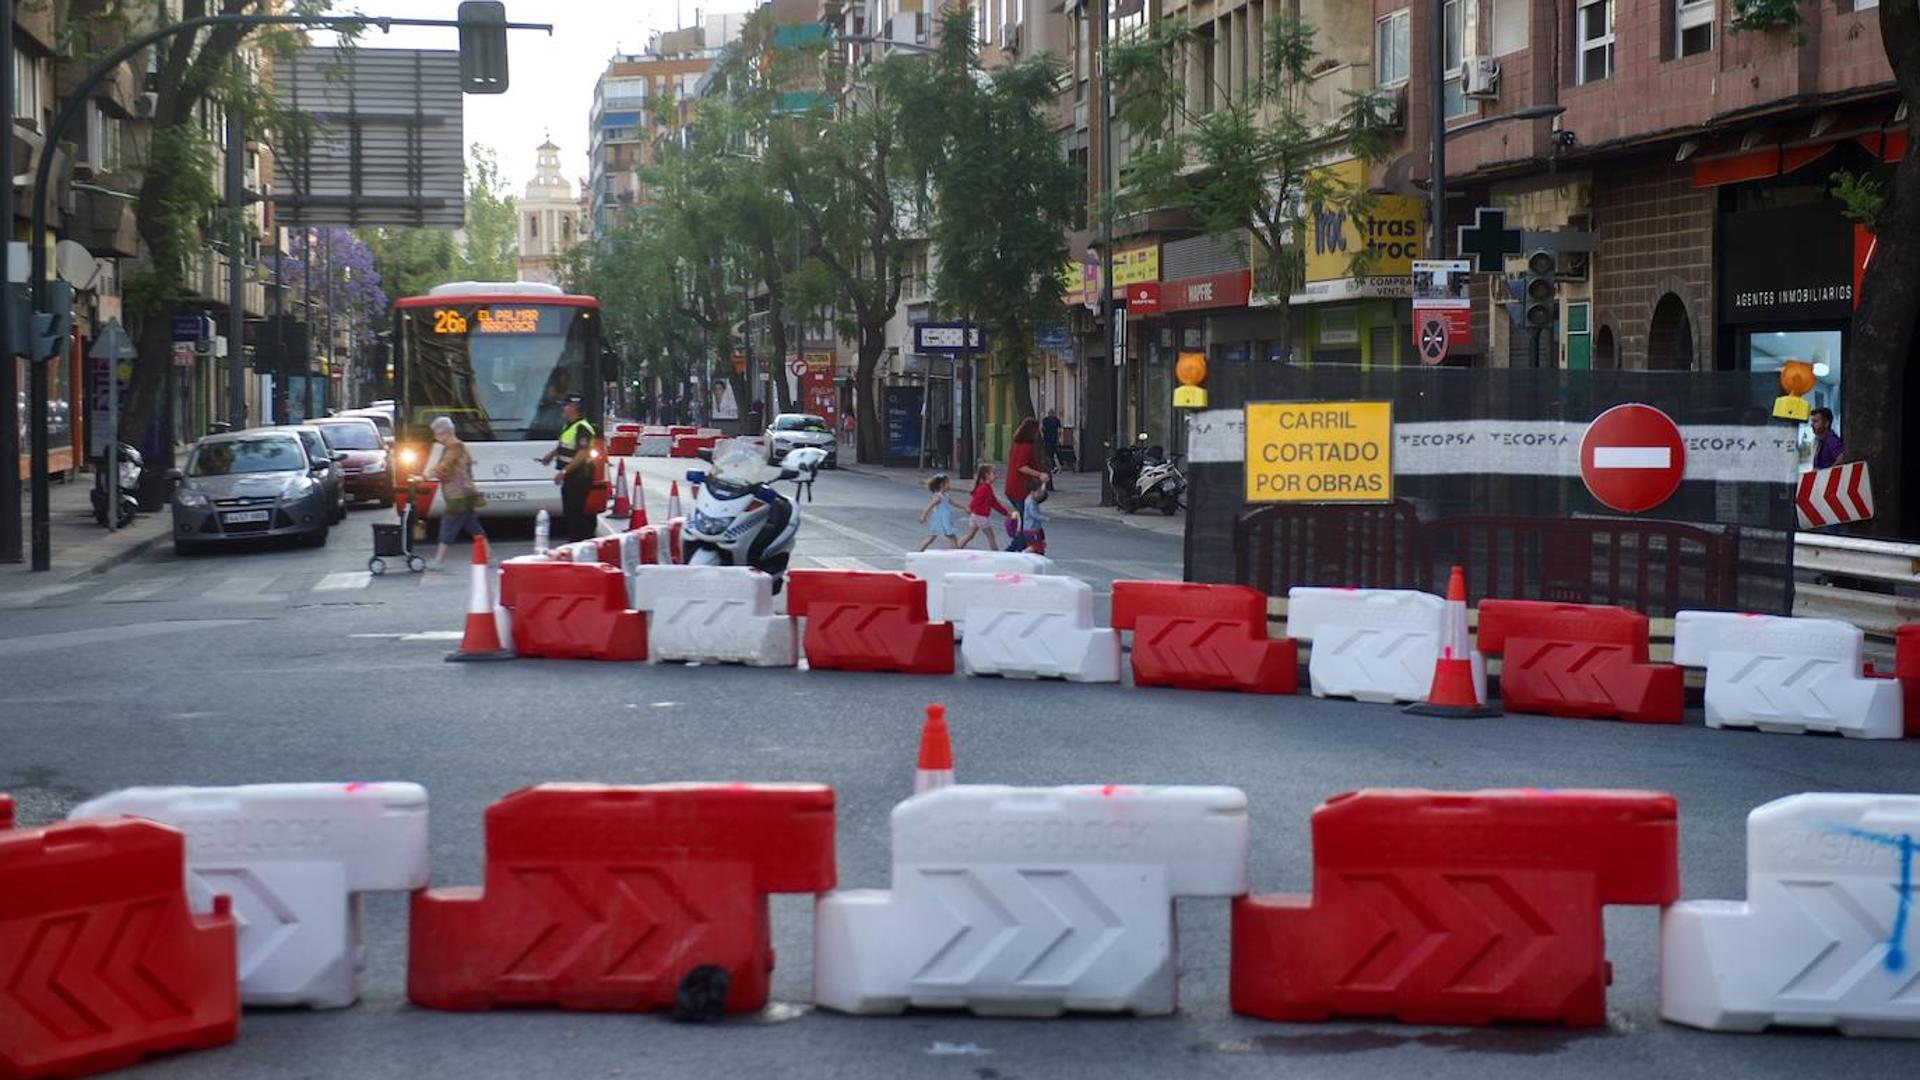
(1873, 584)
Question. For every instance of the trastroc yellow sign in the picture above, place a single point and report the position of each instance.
(1390, 232)
(1320, 451)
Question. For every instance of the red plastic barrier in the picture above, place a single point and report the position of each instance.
(1906, 668)
(1585, 661)
(1203, 637)
(673, 539)
(101, 961)
(623, 444)
(6, 812)
(1464, 908)
(572, 611)
(678, 430)
(607, 549)
(860, 620)
(604, 898)
(689, 446)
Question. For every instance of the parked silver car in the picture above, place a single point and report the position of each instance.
(248, 485)
(791, 431)
(326, 462)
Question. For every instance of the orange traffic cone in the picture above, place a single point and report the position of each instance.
(622, 504)
(639, 518)
(936, 753)
(1452, 693)
(673, 500)
(481, 641)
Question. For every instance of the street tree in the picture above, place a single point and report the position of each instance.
(1003, 195)
(1881, 360)
(410, 261)
(491, 232)
(1250, 165)
(177, 199)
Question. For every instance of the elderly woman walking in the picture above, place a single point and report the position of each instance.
(462, 500)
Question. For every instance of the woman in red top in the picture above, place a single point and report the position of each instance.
(1023, 471)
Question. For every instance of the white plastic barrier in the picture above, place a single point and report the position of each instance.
(1033, 626)
(1372, 644)
(1031, 901)
(294, 858)
(935, 567)
(712, 615)
(653, 445)
(1783, 674)
(1826, 937)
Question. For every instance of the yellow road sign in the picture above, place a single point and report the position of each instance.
(1320, 451)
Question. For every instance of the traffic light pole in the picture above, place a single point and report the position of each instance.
(236, 268)
(10, 551)
(63, 121)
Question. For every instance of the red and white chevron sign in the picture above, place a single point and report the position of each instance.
(1834, 496)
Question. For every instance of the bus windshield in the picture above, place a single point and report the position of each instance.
(499, 371)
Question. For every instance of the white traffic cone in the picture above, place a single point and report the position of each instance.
(542, 532)
(481, 639)
(673, 501)
(935, 769)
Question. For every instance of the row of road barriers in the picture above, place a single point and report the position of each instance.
(146, 921)
(626, 597)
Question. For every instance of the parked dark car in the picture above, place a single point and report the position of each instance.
(247, 485)
(325, 461)
(367, 467)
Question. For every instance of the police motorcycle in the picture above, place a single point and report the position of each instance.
(737, 518)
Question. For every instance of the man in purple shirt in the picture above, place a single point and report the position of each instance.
(1827, 447)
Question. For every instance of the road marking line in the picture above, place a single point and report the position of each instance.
(839, 562)
(1632, 457)
(434, 635)
(239, 588)
(138, 591)
(345, 579)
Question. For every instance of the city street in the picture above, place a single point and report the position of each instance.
(281, 665)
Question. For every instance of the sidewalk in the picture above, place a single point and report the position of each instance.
(1075, 495)
(79, 546)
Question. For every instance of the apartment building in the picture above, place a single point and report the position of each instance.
(639, 99)
(1699, 157)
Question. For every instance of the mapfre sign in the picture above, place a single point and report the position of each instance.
(1229, 289)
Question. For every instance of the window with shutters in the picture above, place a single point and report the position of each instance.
(1692, 27)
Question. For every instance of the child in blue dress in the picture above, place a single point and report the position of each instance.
(938, 516)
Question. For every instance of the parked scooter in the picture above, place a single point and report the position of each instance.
(133, 469)
(738, 519)
(1143, 476)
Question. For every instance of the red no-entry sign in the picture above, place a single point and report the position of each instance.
(1632, 458)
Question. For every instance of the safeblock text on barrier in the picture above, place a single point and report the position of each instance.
(1031, 901)
(614, 899)
(293, 859)
(1467, 908)
(1827, 935)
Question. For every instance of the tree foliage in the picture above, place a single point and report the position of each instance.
(489, 238)
(1249, 166)
(1002, 193)
(410, 261)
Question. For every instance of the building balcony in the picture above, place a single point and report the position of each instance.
(1330, 93)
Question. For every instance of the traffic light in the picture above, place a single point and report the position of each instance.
(483, 47)
(1541, 301)
(1796, 378)
(49, 331)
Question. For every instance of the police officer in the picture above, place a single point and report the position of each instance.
(573, 460)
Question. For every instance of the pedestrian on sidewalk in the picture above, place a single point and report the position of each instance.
(463, 500)
(980, 507)
(1050, 437)
(1032, 534)
(938, 516)
(1828, 449)
(1023, 465)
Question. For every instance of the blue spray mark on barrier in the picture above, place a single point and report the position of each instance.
(1902, 843)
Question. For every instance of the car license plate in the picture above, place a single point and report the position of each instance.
(241, 516)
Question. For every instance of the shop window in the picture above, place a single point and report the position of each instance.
(1593, 40)
(1383, 346)
(1692, 26)
(1767, 350)
(1390, 36)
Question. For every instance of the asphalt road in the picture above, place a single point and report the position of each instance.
(293, 665)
